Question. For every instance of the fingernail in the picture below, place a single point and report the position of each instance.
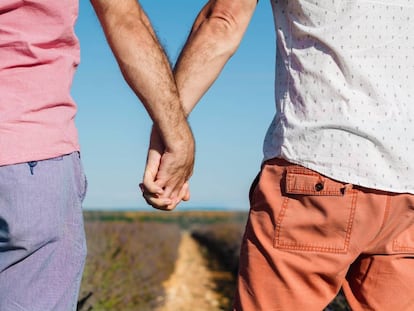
(141, 186)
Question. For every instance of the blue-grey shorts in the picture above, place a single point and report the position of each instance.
(42, 238)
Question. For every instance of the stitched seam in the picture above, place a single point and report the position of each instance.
(310, 247)
(398, 247)
(279, 221)
(308, 191)
(331, 190)
(301, 171)
(350, 220)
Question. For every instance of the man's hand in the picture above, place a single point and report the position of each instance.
(167, 172)
(146, 68)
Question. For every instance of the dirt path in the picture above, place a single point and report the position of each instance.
(191, 286)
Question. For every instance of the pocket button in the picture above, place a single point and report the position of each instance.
(319, 187)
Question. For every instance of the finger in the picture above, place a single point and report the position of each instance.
(186, 196)
(172, 206)
(172, 172)
(172, 196)
(150, 175)
(185, 192)
(151, 187)
(149, 191)
(174, 193)
(183, 195)
(156, 202)
(168, 192)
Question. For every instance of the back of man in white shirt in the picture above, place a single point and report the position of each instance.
(333, 204)
(345, 90)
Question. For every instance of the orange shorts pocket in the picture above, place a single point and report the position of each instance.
(317, 213)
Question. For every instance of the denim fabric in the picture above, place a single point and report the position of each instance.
(42, 238)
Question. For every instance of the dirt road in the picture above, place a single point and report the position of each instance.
(191, 286)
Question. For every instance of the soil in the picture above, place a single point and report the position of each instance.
(192, 286)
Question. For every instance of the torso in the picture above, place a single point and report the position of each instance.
(345, 90)
(39, 53)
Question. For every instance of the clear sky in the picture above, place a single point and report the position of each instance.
(229, 123)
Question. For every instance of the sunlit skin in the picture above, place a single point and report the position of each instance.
(147, 70)
(214, 38)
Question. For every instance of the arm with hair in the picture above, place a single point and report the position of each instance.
(146, 69)
(214, 38)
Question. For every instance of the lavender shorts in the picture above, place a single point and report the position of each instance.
(42, 238)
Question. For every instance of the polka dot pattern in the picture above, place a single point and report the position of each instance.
(345, 90)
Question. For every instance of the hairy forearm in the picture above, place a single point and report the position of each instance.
(214, 38)
(144, 65)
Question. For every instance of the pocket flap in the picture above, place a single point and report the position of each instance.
(300, 180)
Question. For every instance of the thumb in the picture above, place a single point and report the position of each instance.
(150, 175)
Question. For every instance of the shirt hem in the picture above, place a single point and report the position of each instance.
(339, 177)
(27, 157)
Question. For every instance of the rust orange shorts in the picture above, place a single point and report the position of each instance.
(307, 236)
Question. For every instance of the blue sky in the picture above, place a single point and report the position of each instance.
(229, 123)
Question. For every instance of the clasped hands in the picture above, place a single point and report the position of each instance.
(168, 169)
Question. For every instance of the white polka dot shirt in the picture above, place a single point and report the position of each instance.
(345, 90)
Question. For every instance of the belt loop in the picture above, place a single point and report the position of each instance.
(347, 188)
(32, 164)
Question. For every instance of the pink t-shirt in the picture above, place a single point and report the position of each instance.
(39, 53)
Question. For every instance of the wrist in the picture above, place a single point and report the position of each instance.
(178, 138)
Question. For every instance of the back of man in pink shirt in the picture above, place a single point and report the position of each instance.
(39, 53)
(42, 184)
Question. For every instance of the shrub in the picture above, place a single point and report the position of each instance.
(126, 264)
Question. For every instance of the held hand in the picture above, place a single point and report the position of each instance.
(152, 190)
(167, 171)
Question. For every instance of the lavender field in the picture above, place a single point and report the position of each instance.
(180, 261)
